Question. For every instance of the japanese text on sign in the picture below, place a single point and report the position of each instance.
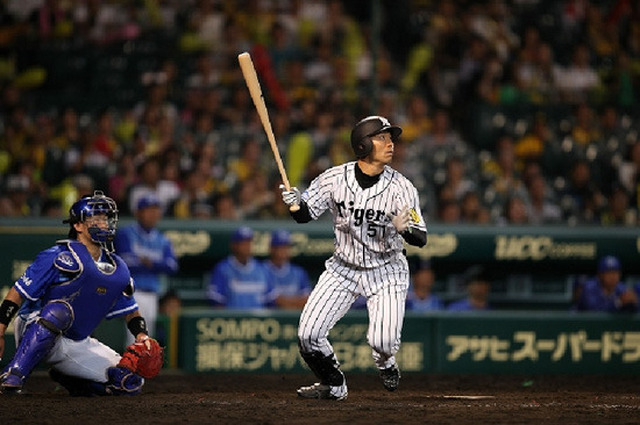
(526, 345)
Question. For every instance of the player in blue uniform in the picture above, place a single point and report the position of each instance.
(290, 281)
(60, 300)
(606, 292)
(421, 297)
(478, 282)
(240, 281)
(148, 254)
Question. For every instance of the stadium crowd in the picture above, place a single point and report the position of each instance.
(514, 112)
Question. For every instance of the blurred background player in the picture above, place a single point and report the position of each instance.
(420, 296)
(148, 254)
(478, 285)
(60, 300)
(605, 291)
(290, 281)
(240, 281)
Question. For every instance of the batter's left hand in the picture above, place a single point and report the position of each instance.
(402, 220)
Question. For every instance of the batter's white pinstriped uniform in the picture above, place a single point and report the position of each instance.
(375, 210)
(368, 258)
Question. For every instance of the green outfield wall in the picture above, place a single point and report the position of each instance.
(497, 342)
(218, 341)
(533, 266)
(531, 331)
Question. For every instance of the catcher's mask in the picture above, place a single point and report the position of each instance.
(95, 205)
(368, 127)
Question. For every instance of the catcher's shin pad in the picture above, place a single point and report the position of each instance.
(144, 358)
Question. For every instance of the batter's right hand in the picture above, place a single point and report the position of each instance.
(290, 197)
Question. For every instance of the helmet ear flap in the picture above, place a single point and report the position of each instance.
(364, 147)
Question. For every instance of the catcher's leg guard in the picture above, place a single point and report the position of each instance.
(326, 368)
(36, 343)
(123, 382)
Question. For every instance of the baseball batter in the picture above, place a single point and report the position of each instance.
(60, 300)
(375, 210)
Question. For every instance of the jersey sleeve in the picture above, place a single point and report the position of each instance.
(123, 305)
(125, 251)
(217, 292)
(169, 264)
(40, 274)
(417, 219)
(318, 194)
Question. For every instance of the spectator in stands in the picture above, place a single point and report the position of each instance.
(629, 170)
(579, 79)
(151, 182)
(542, 207)
(290, 281)
(515, 211)
(240, 281)
(617, 211)
(193, 195)
(581, 199)
(460, 43)
(606, 292)
(472, 211)
(14, 202)
(149, 255)
(502, 172)
(421, 297)
(478, 284)
(456, 178)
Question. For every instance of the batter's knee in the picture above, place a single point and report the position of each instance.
(310, 340)
(56, 316)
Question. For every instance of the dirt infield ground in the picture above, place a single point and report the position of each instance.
(174, 398)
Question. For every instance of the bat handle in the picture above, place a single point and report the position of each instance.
(294, 207)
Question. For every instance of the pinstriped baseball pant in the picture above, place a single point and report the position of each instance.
(338, 287)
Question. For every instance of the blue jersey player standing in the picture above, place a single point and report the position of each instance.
(290, 281)
(240, 281)
(148, 254)
(60, 300)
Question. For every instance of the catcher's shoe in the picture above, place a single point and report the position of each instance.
(390, 377)
(11, 382)
(323, 392)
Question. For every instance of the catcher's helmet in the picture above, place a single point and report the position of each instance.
(367, 127)
(92, 205)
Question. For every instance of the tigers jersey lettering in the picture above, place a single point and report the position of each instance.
(364, 234)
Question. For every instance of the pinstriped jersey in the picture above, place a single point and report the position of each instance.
(364, 235)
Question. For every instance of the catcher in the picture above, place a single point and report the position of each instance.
(60, 300)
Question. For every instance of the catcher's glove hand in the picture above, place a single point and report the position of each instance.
(144, 358)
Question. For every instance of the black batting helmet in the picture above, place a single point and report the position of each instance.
(368, 127)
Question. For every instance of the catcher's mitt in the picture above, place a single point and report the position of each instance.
(144, 358)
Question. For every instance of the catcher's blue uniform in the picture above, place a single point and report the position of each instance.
(64, 294)
(67, 272)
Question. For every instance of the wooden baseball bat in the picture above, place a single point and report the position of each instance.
(251, 78)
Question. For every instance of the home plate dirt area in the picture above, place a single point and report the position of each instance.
(177, 398)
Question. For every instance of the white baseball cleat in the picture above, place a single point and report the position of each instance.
(323, 392)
